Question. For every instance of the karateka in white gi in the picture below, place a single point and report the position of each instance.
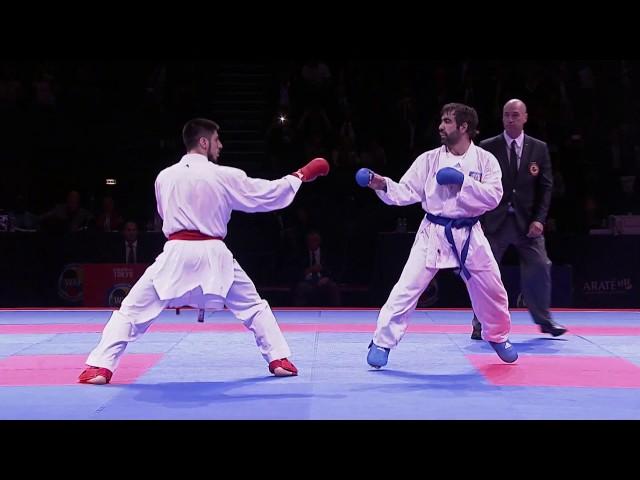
(195, 198)
(455, 184)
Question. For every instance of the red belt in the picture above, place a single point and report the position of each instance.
(191, 235)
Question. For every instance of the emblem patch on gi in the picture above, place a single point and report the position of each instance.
(534, 169)
(476, 176)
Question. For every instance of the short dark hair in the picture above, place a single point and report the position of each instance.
(197, 128)
(463, 114)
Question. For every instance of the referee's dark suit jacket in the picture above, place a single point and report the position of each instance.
(530, 192)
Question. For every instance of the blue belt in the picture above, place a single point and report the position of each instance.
(450, 223)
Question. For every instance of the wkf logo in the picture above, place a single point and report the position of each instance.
(117, 293)
(534, 169)
(70, 283)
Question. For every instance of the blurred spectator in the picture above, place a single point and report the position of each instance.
(109, 220)
(67, 217)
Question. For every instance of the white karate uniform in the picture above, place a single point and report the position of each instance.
(195, 194)
(480, 192)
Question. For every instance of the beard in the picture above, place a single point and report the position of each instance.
(450, 138)
(210, 155)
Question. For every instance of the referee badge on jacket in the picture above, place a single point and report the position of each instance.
(534, 169)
